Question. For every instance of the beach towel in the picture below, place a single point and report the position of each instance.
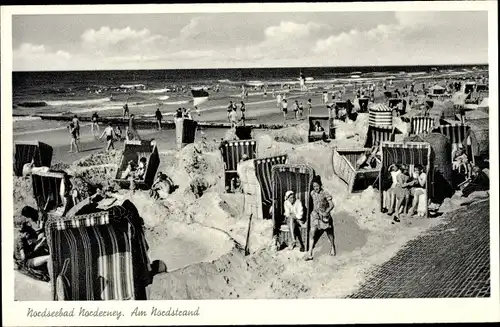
(263, 171)
(99, 256)
(296, 178)
(379, 134)
(421, 124)
(26, 152)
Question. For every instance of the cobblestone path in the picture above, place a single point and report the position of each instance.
(450, 260)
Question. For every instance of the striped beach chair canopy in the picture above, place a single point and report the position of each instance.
(133, 151)
(410, 154)
(380, 115)
(263, 171)
(233, 152)
(455, 132)
(379, 134)
(27, 151)
(99, 256)
(49, 185)
(296, 178)
(421, 124)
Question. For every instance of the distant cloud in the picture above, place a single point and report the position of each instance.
(39, 55)
(288, 31)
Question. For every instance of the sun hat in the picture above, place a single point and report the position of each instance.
(288, 194)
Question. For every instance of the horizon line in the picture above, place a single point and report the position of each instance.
(275, 67)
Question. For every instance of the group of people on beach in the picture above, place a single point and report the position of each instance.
(232, 114)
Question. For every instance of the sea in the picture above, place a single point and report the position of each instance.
(85, 92)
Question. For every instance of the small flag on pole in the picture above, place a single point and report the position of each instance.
(199, 96)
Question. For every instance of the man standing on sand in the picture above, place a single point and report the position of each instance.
(126, 110)
(309, 106)
(110, 136)
(159, 117)
(278, 100)
(73, 133)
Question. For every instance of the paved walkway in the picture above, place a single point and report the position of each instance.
(450, 260)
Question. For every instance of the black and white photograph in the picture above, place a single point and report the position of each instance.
(238, 154)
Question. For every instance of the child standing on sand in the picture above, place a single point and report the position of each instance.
(309, 106)
(110, 136)
(285, 108)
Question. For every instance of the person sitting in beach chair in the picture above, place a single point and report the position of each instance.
(30, 250)
(129, 171)
(417, 185)
(401, 192)
(141, 168)
(461, 161)
(162, 187)
(318, 127)
(478, 181)
(36, 218)
(294, 215)
(341, 113)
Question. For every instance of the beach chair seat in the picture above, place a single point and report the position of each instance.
(345, 167)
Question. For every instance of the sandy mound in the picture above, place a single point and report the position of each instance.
(100, 158)
(295, 134)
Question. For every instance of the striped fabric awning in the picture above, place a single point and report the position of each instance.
(380, 115)
(99, 256)
(380, 107)
(263, 171)
(379, 134)
(421, 124)
(233, 151)
(455, 132)
(410, 153)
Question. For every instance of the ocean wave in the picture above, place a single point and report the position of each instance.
(177, 102)
(133, 86)
(154, 91)
(76, 102)
(163, 98)
(25, 118)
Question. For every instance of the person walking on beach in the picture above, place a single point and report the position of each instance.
(284, 108)
(126, 110)
(159, 117)
(301, 110)
(321, 219)
(110, 136)
(76, 122)
(94, 125)
(178, 113)
(230, 109)
(73, 142)
(243, 109)
(278, 101)
(197, 110)
(309, 106)
(296, 109)
(233, 118)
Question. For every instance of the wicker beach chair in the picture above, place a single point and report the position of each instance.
(133, 151)
(263, 172)
(26, 152)
(232, 153)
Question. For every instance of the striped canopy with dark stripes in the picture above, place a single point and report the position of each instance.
(263, 171)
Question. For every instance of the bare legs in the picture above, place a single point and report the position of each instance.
(315, 236)
(414, 205)
(74, 144)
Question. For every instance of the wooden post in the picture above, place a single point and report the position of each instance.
(247, 248)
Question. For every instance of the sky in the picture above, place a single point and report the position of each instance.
(238, 40)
